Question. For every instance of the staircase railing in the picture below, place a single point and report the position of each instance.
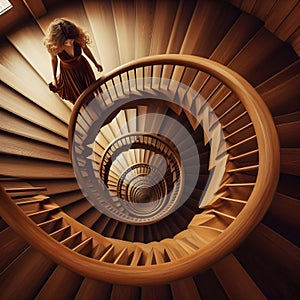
(249, 154)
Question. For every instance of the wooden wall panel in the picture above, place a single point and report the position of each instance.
(12, 18)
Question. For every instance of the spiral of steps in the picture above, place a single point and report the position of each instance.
(158, 116)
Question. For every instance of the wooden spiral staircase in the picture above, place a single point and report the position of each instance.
(241, 244)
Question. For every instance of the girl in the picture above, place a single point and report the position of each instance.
(66, 40)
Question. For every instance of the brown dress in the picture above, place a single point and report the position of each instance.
(75, 75)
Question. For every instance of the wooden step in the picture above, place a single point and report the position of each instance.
(209, 286)
(125, 29)
(103, 17)
(15, 124)
(42, 215)
(25, 104)
(91, 289)
(206, 232)
(277, 250)
(125, 292)
(239, 283)
(191, 239)
(12, 245)
(285, 209)
(90, 217)
(23, 146)
(238, 35)
(66, 284)
(287, 133)
(205, 13)
(289, 161)
(38, 168)
(24, 191)
(21, 270)
(156, 292)
(275, 91)
(253, 257)
(185, 289)
(62, 233)
(269, 53)
(64, 281)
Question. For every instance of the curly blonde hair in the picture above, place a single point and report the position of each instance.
(60, 30)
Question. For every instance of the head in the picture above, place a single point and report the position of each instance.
(62, 32)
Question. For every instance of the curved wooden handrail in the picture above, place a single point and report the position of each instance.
(137, 134)
(248, 218)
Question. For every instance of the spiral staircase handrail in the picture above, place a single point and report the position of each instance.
(248, 218)
(130, 136)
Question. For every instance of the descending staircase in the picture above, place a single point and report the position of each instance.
(215, 245)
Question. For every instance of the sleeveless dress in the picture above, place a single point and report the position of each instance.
(75, 75)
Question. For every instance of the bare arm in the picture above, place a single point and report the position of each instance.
(54, 62)
(89, 54)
